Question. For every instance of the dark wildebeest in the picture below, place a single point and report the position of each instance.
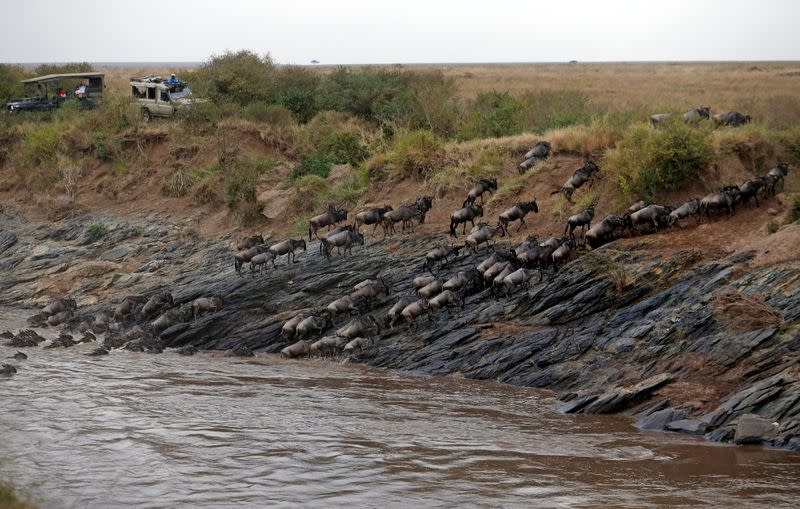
(722, 198)
(156, 304)
(778, 174)
(656, 215)
(696, 114)
(461, 279)
(659, 118)
(636, 207)
(731, 118)
(249, 241)
(311, 324)
(373, 216)
(604, 231)
(245, 256)
(481, 235)
(424, 204)
(289, 327)
(445, 299)
(413, 310)
(287, 247)
(468, 213)
(539, 152)
(750, 189)
(330, 217)
(394, 313)
(260, 260)
(581, 176)
(518, 211)
(128, 305)
(690, 208)
(582, 219)
(562, 253)
(480, 187)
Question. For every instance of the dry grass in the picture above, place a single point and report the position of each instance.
(745, 311)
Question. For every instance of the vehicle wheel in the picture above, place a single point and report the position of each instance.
(146, 115)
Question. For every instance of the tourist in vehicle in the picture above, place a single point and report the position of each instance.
(174, 79)
(80, 90)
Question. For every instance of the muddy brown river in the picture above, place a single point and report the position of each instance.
(140, 430)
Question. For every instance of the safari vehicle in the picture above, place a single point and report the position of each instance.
(42, 91)
(158, 97)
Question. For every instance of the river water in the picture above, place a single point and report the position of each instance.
(141, 430)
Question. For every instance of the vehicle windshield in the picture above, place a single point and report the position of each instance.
(183, 93)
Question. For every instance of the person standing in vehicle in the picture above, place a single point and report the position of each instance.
(174, 79)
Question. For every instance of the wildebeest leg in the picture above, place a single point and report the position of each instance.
(521, 223)
(375, 227)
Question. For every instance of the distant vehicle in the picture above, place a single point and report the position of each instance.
(315, 61)
(87, 88)
(160, 97)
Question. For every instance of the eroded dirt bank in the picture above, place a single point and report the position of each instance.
(685, 339)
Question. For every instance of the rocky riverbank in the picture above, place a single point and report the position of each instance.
(682, 339)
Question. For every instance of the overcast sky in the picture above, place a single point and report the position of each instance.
(349, 31)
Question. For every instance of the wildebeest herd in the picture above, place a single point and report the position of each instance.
(431, 291)
(727, 118)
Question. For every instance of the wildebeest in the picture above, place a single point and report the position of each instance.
(657, 215)
(444, 299)
(636, 207)
(260, 260)
(394, 313)
(501, 255)
(413, 310)
(539, 151)
(128, 305)
(423, 204)
(481, 235)
(604, 231)
(721, 198)
(518, 212)
(357, 344)
(242, 257)
(328, 345)
(202, 304)
(430, 289)
(731, 118)
(517, 277)
(579, 177)
(750, 189)
(166, 319)
(562, 253)
(343, 242)
(690, 208)
(468, 213)
(290, 326)
(480, 187)
(287, 247)
(59, 305)
(461, 279)
(582, 219)
(346, 303)
(778, 173)
(659, 118)
(420, 281)
(696, 114)
(311, 324)
(156, 304)
(371, 290)
(441, 253)
(361, 326)
(249, 241)
(328, 218)
(373, 216)
(299, 349)
(405, 214)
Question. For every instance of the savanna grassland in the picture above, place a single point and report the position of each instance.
(273, 144)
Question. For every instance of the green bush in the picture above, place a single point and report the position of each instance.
(316, 163)
(648, 161)
(295, 88)
(344, 147)
(200, 117)
(491, 114)
(242, 77)
(241, 180)
(97, 230)
(794, 213)
(272, 114)
(307, 189)
(10, 86)
(41, 144)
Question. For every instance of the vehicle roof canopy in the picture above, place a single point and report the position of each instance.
(48, 78)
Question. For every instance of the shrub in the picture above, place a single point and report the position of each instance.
(241, 180)
(200, 117)
(179, 182)
(344, 147)
(41, 144)
(295, 88)
(272, 114)
(647, 161)
(491, 114)
(306, 190)
(242, 77)
(794, 213)
(10, 86)
(416, 153)
(97, 230)
(316, 163)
